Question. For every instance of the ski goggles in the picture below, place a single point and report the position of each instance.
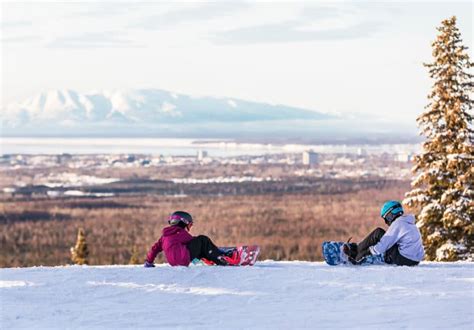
(392, 214)
(175, 219)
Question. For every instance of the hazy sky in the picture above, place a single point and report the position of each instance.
(332, 56)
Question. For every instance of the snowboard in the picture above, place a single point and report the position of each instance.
(333, 255)
(248, 255)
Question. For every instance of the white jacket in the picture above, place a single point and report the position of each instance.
(403, 232)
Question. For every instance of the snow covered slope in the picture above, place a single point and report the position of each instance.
(283, 295)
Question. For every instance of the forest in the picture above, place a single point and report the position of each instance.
(287, 225)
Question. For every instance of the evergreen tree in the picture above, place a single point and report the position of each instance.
(80, 252)
(443, 191)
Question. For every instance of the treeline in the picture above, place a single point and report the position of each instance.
(286, 226)
(291, 185)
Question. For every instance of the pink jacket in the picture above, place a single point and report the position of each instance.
(173, 242)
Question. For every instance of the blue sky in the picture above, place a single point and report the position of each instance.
(346, 57)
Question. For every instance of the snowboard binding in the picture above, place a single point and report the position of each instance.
(350, 250)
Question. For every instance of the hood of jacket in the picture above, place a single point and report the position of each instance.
(408, 218)
(172, 230)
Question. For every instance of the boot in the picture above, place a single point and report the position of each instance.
(232, 260)
(229, 252)
(350, 250)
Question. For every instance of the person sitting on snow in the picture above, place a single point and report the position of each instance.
(400, 244)
(180, 247)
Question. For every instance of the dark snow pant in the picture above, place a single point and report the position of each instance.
(202, 247)
(391, 256)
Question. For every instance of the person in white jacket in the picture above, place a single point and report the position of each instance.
(400, 245)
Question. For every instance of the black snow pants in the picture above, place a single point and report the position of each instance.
(202, 247)
(391, 256)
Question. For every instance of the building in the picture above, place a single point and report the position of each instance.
(403, 157)
(201, 155)
(310, 158)
(361, 152)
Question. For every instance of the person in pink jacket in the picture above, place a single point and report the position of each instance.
(180, 247)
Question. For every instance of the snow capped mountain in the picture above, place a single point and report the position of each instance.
(138, 108)
(159, 113)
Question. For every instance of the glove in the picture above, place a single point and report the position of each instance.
(148, 264)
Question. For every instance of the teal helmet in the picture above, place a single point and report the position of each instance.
(390, 211)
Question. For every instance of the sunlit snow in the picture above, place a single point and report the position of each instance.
(283, 295)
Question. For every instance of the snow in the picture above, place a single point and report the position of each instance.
(284, 295)
(169, 108)
(443, 252)
(78, 193)
(232, 103)
(142, 106)
(430, 208)
(221, 179)
(11, 284)
(66, 179)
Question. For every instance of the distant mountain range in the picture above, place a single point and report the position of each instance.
(153, 112)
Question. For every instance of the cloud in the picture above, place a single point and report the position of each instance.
(15, 24)
(202, 12)
(293, 31)
(321, 13)
(107, 9)
(312, 23)
(10, 34)
(20, 39)
(94, 40)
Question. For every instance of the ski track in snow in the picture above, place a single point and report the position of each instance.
(11, 284)
(271, 294)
